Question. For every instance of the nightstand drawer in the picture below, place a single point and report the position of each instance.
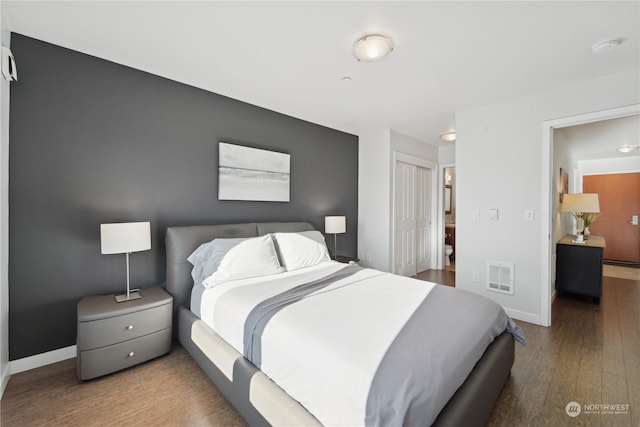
(102, 361)
(111, 330)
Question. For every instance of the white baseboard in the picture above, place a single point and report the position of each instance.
(5, 379)
(524, 316)
(42, 359)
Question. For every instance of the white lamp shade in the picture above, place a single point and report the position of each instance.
(581, 202)
(125, 237)
(335, 224)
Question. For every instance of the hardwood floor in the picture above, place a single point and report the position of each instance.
(169, 391)
(591, 355)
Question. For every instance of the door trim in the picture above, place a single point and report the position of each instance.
(548, 191)
(399, 156)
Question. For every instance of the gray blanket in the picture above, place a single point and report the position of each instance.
(261, 314)
(427, 362)
(432, 356)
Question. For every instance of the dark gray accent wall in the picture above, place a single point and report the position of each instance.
(94, 142)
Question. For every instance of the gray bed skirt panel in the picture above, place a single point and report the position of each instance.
(472, 403)
(236, 392)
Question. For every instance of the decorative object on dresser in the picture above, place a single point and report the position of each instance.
(579, 266)
(335, 225)
(585, 208)
(124, 238)
(114, 336)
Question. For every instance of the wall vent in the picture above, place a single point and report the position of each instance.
(500, 277)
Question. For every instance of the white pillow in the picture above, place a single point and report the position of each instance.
(206, 259)
(299, 250)
(251, 258)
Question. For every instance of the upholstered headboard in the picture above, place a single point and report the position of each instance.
(180, 242)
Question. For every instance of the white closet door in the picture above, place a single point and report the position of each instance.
(423, 219)
(405, 210)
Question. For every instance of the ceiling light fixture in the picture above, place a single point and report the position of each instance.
(605, 46)
(628, 148)
(448, 136)
(372, 47)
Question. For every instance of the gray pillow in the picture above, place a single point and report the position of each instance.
(206, 259)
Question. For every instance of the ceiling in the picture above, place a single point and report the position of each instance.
(599, 140)
(291, 57)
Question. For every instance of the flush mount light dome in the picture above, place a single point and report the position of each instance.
(627, 148)
(448, 136)
(372, 47)
(605, 46)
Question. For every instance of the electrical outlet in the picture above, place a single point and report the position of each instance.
(476, 276)
(475, 213)
(528, 215)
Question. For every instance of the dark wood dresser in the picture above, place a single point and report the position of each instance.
(579, 267)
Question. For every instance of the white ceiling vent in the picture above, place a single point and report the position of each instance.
(500, 277)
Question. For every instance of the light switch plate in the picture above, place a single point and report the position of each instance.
(475, 213)
(528, 215)
(493, 214)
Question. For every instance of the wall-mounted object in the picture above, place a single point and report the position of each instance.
(246, 173)
(447, 199)
(9, 69)
(124, 238)
(563, 184)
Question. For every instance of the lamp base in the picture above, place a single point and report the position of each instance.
(132, 295)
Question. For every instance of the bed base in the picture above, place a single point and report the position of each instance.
(471, 405)
(260, 401)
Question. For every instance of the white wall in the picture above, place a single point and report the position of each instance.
(609, 166)
(376, 148)
(561, 222)
(499, 164)
(374, 198)
(4, 217)
(447, 155)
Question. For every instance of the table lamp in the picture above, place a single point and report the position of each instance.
(335, 225)
(124, 238)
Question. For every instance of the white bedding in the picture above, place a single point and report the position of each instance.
(324, 365)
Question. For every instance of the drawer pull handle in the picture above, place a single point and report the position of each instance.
(130, 327)
(131, 354)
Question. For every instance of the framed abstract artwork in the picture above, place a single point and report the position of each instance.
(563, 184)
(246, 173)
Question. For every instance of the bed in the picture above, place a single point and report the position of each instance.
(263, 402)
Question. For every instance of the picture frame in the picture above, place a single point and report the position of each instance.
(448, 198)
(253, 174)
(563, 184)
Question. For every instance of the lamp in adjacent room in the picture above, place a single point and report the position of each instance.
(124, 238)
(335, 225)
(584, 207)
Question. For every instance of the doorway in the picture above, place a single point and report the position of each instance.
(413, 215)
(449, 251)
(550, 192)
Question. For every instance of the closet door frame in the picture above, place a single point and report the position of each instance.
(433, 168)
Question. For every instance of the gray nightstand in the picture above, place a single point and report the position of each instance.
(114, 336)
